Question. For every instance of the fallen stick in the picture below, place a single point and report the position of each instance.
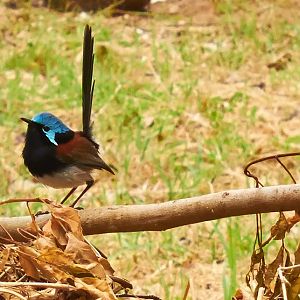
(170, 214)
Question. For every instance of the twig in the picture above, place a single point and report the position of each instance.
(12, 292)
(21, 278)
(8, 241)
(5, 272)
(38, 284)
(10, 237)
(271, 157)
(290, 267)
(286, 169)
(138, 296)
(23, 200)
(260, 293)
(283, 282)
(186, 292)
(36, 227)
(123, 282)
(23, 233)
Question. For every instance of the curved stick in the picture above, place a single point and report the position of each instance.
(170, 214)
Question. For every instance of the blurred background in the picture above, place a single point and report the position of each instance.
(187, 93)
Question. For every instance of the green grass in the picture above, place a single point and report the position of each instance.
(176, 113)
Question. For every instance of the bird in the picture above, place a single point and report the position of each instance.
(58, 156)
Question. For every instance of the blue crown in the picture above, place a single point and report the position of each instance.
(49, 120)
(54, 125)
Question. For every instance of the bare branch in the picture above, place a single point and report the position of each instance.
(170, 214)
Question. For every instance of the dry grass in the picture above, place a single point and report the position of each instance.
(182, 103)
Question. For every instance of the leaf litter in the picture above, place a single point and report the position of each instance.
(57, 262)
(280, 279)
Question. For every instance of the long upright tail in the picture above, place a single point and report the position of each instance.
(87, 81)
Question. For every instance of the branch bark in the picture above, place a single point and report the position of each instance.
(170, 214)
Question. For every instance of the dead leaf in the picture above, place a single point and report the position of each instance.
(61, 254)
(44, 242)
(272, 269)
(238, 295)
(294, 289)
(63, 261)
(296, 271)
(106, 265)
(279, 230)
(63, 220)
(293, 220)
(28, 266)
(98, 288)
(297, 255)
(256, 257)
(81, 251)
(39, 269)
(84, 254)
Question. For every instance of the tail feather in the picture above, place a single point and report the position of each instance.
(106, 167)
(87, 81)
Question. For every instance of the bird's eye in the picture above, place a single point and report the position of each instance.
(46, 128)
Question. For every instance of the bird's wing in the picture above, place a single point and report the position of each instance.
(87, 81)
(82, 152)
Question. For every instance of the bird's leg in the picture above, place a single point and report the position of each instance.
(68, 195)
(88, 186)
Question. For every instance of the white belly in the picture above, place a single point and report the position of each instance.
(67, 178)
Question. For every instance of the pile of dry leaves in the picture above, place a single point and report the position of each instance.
(57, 262)
(280, 278)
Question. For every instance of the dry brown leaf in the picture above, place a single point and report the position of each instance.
(81, 251)
(297, 255)
(90, 259)
(63, 261)
(293, 220)
(61, 255)
(63, 220)
(52, 273)
(26, 262)
(256, 257)
(106, 265)
(238, 295)
(279, 230)
(272, 269)
(54, 228)
(84, 254)
(70, 218)
(39, 269)
(97, 288)
(296, 271)
(44, 242)
(294, 289)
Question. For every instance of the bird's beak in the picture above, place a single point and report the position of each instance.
(27, 120)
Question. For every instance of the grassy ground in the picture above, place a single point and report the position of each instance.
(182, 102)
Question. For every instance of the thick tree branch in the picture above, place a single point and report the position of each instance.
(166, 215)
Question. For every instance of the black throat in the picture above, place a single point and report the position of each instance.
(40, 154)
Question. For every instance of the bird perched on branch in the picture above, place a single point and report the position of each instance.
(55, 154)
